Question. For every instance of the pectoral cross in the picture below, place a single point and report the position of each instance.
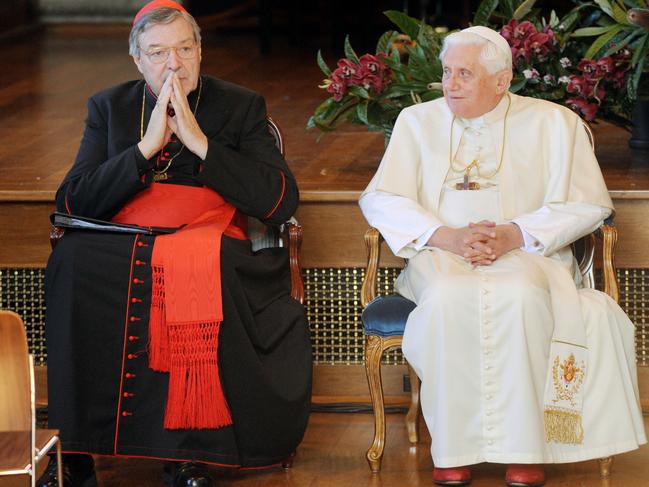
(466, 184)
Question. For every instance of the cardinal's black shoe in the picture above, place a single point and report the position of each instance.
(187, 474)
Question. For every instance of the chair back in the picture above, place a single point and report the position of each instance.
(15, 388)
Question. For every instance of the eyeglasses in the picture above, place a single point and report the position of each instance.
(160, 55)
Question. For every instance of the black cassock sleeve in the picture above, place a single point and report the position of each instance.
(98, 184)
(252, 176)
(242, 163)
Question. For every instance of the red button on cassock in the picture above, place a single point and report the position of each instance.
(132, 338)
(129, 375)
(126, 413)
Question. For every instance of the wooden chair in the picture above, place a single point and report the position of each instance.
(22, 446)
(384, 320)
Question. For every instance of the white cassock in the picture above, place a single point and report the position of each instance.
(479, 338)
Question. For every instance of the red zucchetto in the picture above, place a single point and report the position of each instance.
(158, 4)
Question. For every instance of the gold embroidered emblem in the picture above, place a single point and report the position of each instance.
(568, 378)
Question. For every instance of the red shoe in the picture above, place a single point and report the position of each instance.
(452, 476)
(525, 475)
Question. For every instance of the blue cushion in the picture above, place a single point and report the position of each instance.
(386, 315)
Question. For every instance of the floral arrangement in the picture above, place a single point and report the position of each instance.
(553, 58)
(373, 88)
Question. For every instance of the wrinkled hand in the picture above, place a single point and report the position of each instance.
(478, 243)
(500, 240)
(464, 241)
(183, 123)
(158, 131)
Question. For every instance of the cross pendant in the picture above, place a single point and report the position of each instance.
(467, 185)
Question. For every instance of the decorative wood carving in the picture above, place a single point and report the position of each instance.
(373, 246)
(609, 237)
(412, 417)
(605, 467)
(294, 243)
(374, 348)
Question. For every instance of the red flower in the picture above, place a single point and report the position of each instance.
(604, 66)
(372, 74)
(337, 87)
(372, 64)
(579, 85)
(581, 106)
(525, 40)
(588, 67)
(346, 69)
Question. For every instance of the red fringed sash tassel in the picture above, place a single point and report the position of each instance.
(186, 314)
(186, 303)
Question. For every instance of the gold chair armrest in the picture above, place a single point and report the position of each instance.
(373, 241)
(608, 233)
(294, 232)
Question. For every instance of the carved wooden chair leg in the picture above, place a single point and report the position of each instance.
(374, 348)
(412, 418)
(288, 461)
(605, 465)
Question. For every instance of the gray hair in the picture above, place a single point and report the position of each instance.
(491, 57)
(157, 16)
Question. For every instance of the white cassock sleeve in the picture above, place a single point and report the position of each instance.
(555, 225)
(405, 225)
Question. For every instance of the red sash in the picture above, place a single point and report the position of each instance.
(186, 300)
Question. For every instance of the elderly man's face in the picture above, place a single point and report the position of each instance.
(160, 37)
(469, 89)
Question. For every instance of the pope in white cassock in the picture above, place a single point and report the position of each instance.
(483, 191)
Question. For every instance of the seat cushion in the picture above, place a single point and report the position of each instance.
(386, 315)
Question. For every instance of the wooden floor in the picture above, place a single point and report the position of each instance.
(332, 455)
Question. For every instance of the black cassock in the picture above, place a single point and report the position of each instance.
(102, 394)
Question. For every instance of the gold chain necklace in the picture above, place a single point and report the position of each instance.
(465, 184)
(162, 174)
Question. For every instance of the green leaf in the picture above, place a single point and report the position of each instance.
(518, 84)
(634, 80)
(601, 41)
(619, 14)
(359, 91)
(523, 9)
(484, 11)
(406, 24)
(554, 20)
(592, 31)
(618, 46)
(361, 112)
(323, 66)
(385, 42)
(613, 10)
(570, 19)
(507, 8)
(349, 51)
(641, 51)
